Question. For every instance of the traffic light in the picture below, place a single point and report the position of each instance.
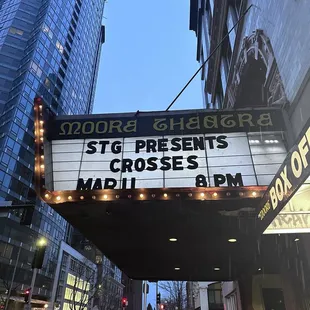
(158, 298)
(39, 254)
(124, 302)
(27, 292)
(27, 215)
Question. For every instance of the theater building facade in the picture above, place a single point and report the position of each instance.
(264, 62)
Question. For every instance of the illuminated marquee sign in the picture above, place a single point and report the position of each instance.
(291, 175)
(164, 150)
(163, 162)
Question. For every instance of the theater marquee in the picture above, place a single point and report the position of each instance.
(164, 150)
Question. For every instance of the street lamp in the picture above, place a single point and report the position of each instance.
(37, 263)
(41, 242)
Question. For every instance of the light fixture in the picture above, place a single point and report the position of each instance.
(254, 194)
(105, 196)
(41, 138)
(69, 197)
(42, 156)
(217, 269)
(153, 195)
(41, 242)
(177, 195)
(46, 306)
(276, 141)
(41, 122)
(116, 196)
(228, 194)
(129, 196)
(93, 197)
(202, 194)
(190, 195)
(40, 106)
(232, 240)
(259, 269)
(241, 194)
(41, 130)
(267, 141)
(173, 239)
(47, 196)
(58, 198)
(82, 197)
(141, 195)
(296, 239)
(165, 195)
(177, 268)
(42, 166)
(214, 194)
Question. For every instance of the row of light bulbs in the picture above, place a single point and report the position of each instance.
(58, 198)
(266, 141)
(40, 136)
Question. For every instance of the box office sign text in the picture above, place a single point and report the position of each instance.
(293, 172)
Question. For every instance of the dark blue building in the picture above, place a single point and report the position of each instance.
(49, 48)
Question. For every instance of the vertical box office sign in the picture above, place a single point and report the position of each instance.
(164, 150)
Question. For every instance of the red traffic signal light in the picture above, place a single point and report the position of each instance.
(27, 292)
(124, 302)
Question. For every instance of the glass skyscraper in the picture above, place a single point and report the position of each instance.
(48, 48)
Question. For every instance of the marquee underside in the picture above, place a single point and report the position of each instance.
(135, 236)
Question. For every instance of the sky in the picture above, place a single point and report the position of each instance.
(148, 56)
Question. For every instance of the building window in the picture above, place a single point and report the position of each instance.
(35, 68)
(98, 259)
(16, 31)
(59, 47)
(71, 279)
(68, 293)
(231, 302)
(6, 250)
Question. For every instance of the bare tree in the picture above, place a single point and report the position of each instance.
(175, 294)
(5, 283)
(89, 288)
(109, 295)
(84, 286)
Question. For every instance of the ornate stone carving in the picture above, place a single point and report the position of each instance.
(257, 45)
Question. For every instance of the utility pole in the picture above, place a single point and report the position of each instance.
(33, 280)
(12, 281)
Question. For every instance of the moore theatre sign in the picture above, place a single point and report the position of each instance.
(155, 150)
